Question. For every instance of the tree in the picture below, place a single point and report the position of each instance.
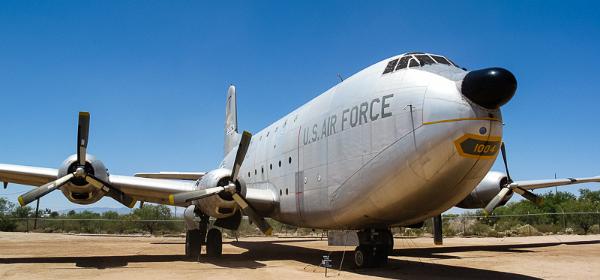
(6, 224)
(152, 213)
(5, 206)
(589, 195)
(22, 212)
(112, 215)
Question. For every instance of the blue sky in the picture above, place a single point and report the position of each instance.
(154, 74)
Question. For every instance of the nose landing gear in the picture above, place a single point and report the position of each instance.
(374, 249)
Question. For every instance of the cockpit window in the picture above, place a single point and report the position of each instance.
(403, 62)
(453, 63)
(416, 59)
(413, 63)
(391, 66)
(425, 60)
(440, 59)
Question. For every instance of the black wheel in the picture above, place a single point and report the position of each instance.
(214, 243)
(193, 243)
(362, 256)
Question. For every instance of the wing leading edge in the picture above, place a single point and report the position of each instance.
(538, 184)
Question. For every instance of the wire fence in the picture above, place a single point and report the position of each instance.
(453, 225)
(521, 224)
(108, 226)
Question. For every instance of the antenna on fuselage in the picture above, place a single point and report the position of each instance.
(340, 76)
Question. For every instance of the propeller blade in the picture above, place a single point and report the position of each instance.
(111, 191)
(241, 154)
(537, 200)
(503, 149)
(262, 224)
(37, 193)
(496, 200)
(83, 131)
(184, 197)
(99, 184)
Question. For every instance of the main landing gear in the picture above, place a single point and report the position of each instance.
(195, 238)
(374, 249)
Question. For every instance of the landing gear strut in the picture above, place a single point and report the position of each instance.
(194, 238)
(374, 249)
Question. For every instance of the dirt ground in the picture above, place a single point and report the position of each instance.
(62, 256)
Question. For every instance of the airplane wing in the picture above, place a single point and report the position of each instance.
(140, 189)
(538, 184)
(172, 175)
(143, 189)
(523, 188)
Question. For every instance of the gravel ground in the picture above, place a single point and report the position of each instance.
(62, 256)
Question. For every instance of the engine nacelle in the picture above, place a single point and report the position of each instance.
(79, 190)
(487, 189)
(221, 205)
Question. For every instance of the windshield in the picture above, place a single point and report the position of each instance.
(416, 59)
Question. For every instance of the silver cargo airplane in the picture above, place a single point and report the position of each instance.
(397, 143)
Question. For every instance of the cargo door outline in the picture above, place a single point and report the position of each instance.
(300, 193)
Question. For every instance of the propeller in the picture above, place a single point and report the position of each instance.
(508, 188)
(260, 221)
(83, 131)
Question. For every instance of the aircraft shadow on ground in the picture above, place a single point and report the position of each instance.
(287, 250)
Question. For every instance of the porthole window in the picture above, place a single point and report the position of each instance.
(280, 163)
(248, 174)
(286, 191)
(290, 160)
(254, 171)
(280, 192)
(262, 170)
(271, 166)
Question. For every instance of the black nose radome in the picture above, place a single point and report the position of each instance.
(490, 87)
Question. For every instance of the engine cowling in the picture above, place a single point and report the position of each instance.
(221, 205)
(78, 190)
(485, 191)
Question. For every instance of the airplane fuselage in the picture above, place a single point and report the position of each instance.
(375, 150)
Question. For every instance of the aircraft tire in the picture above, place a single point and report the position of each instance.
(214, 243)
(193, 243)
(363, 256)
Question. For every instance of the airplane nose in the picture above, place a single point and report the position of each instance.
(490, 87)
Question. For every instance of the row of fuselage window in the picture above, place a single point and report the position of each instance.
(262, 171)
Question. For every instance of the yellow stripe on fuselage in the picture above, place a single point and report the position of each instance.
(461, 119)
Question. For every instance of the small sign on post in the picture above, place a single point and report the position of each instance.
(326, 263)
